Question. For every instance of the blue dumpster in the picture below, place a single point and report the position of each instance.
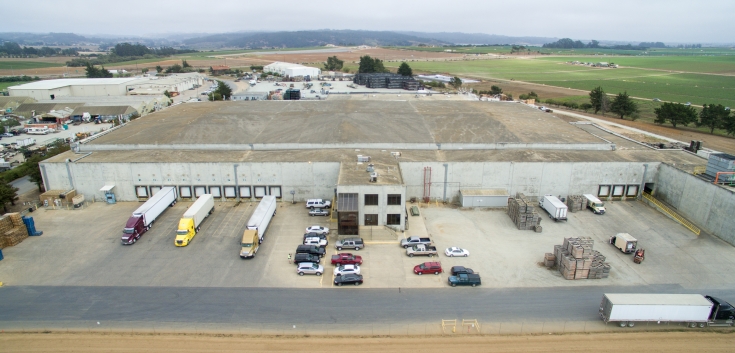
(31, 226)
(1, 254)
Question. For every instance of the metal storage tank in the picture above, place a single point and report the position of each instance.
(484, 197)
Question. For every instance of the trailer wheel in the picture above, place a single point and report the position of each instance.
(692, 324)
(631, 324)
(701, 325)
(623, 324)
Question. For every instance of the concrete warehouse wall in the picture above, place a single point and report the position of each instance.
(531, 178)
(308, 180)
(709, 206)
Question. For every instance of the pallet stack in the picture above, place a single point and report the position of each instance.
(576, 203)
(12, 230)
(576, 259)
(523, 213)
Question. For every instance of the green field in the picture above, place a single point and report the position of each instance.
(705, 64)
(644, 83)
(20, 65)
(4, 85)
(505, 49)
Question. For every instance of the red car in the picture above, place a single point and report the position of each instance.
(428, 267)
(346, 259)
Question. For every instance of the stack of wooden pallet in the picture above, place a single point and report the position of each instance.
(523, 213)
(576, 203)
(12, 230)
(576, 259)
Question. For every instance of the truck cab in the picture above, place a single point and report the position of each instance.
(722, 313)
(185, 233)
(133, 230)
(249, 244)
(464, 279)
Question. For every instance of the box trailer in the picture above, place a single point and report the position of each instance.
(143, 218)
(557, 210)
(193, 217)
(692, 309)
(262, 216)
(594, 204)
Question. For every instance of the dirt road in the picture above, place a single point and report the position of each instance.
(614, 342)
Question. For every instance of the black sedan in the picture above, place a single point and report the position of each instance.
(461, 269)
(348, 279)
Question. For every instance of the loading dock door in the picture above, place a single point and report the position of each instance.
(199, 191)
(245, 192)
(230, 192)
(260, 191)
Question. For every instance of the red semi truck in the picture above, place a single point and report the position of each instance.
(143, 218)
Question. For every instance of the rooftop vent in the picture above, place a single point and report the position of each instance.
(373, 177)
(361, 158)
(370, 168)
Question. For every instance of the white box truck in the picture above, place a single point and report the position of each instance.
(557, 210)
(262, 215)
(692, 309)
(143, 218)
(193, 217)
(594, 204)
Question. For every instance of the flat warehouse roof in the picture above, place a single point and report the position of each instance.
(52, 84)
(347, 121)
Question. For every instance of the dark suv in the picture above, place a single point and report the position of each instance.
(299, 258)
(310, 249)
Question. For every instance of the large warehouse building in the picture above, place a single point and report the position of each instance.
(292, 70)
(372, 157)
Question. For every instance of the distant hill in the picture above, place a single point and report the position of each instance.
(481, 38)
(309, 38)
(47, 38)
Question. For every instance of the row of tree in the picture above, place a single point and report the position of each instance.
(14, 49)
(711, 116)
(127, 52)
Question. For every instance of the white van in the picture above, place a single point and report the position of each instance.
(595, 204)
(38, 130)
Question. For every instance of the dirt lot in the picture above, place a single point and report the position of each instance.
(637, 342)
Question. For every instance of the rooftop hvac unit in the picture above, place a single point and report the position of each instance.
(370, 168)
(396, 154)
(361, 158)
(373, 177)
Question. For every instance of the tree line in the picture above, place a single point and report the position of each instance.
(14, 49)
(127, 52)
(567, 43)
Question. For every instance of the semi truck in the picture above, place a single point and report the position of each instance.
(262, 216)
(249, 244)
(557, 210)
(192, 220)
(695, 310)
(594, 204)
(143, 218)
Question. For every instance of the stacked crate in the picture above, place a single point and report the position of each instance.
(523, 213)
(576, 203)
(576, 259)
(12, 230)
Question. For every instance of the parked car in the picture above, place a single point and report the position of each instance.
(428, 267)
(318, 203)
(309, 268)
(455, 251)
(310, 249)
(7, 134)
(315, 235)
(319, 212)
(350, 243)
(317, 229)
(414, 240)
(456, 270)
(346, 258)
(347, 269)
(464, 279)
(656, 100)
(301, 258)
(315, 241)
(348, 279)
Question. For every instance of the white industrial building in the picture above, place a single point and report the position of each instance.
(373, 156)
(95, 87)
(292, 70)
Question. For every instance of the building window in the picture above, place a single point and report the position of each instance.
(394, 199)
(371, 199)
(394, 219)
(371, 220)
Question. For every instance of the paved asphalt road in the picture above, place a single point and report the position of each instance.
(24, 185)
(342, 306)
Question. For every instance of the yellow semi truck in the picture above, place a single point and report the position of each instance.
(249, 244)
(193, 218)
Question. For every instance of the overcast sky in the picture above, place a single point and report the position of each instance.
(703, 21)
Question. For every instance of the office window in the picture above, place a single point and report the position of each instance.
(371, 199)
(394, 199)
(371, 220)
(394, 219)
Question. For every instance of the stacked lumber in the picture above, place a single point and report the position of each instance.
(523, 213)
(549, 260)
(12, 230)
(576, 259)
(576, 203)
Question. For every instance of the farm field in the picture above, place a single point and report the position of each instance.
(22, 65)
(702, 64)
(643, 83)
(505, 49)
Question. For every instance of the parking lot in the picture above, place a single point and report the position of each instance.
(82, 247)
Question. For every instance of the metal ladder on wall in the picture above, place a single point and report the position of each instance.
(667, 210)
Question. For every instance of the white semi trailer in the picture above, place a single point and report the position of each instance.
(557, 210)
(695, 310)
(262, 215)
